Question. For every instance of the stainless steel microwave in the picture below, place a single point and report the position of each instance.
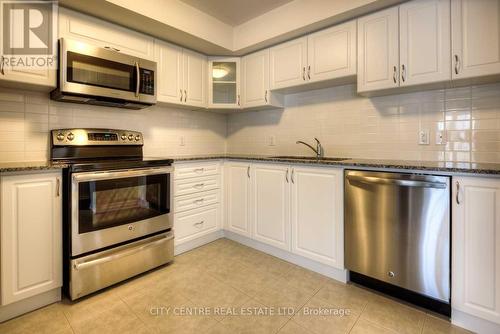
(100, 76)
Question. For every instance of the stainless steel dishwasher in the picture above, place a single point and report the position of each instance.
(397, 230)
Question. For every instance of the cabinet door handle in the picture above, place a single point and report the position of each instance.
(185, 95)
(238, 99)
(292, 176)
(304, 73)
(394, 75)
(457, 64)
(182, 96)
(248, 171)
(58, 187)
(1, 66)
(265, 96)
(309, 72)
(457, 199)
(112, 48)
(403, 72)
(286, 177)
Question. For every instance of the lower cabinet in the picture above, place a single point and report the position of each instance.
(31, 235)
(237, 180)
(271, 204)
(476, 247)
(317, 214)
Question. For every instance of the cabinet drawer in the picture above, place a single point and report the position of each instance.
(195, 185)
(196, 200)
(191, 224)
(194, 170)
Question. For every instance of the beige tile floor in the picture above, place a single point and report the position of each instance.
(225, 287)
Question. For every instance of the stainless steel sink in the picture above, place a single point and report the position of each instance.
(291, 157)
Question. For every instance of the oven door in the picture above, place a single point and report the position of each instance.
(111, 207)
(90, 70)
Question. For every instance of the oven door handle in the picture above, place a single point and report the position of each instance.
(123, 253)
(95, 176)
(138, 79)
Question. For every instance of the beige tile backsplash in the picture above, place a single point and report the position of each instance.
(348, 125)
(384, 127)
(27, 117)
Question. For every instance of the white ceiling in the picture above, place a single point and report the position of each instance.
(235, 12)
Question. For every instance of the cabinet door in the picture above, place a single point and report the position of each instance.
(475, 26)
(317, 214)
(288, 63)
(332, 52)
(88, 29)
(195, 86)
(476, 247)
(425, 42)
(378, 50)
(237, 181)
(170, 72)
(255, 79)
(271, 205)
(31, 237)
(224, 86)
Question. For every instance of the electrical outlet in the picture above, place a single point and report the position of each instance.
(272, 141)
(423, 137)
(182, 141)
(439, 138)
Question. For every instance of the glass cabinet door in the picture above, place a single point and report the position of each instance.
(225, 83)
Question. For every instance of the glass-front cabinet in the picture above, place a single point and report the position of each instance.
(224, 83)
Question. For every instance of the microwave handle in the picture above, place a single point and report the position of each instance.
(138, 79)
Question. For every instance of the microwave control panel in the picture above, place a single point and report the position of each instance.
(147, 82)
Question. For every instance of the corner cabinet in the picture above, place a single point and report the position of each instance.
(31, 235)
(475, 26)
(224, 83)
(317, 214)
(476, 247)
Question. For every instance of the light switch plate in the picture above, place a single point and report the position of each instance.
(423, 137)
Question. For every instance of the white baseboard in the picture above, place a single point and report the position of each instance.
(337, 274)
(186, 246)
(473, 323)
(29, 304)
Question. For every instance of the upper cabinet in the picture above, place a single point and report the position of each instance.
(326, 55)
(100, 33)
(331, 53)
(255, 91)
(181, 75)
(224, 83)
(404, 46)
(475, 26)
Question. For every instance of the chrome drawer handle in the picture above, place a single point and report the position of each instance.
(199, 185)
(199, 223)
(199, 170)
(196, 201)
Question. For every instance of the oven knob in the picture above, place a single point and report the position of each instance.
(60, 136)
(130, 137)
(137, 138)
(70, 136)
(124, 137)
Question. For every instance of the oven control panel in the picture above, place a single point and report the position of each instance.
(96, 137)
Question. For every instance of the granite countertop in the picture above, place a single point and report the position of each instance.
(30, 166)
(450, 167)
(446, 167)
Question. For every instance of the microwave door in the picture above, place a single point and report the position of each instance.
(90, 70)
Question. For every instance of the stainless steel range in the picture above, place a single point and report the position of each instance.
(117, 208)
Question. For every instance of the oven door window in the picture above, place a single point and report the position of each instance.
(100, 72)
(107, 203)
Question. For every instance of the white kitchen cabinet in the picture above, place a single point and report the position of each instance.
(424, 42)
(317, 214)
(255, 91)
(237, 181)
(332, 53)
(90, 30)
(31, 235)
(181, 75)
(271, 204)
(224, 83)
(193, 224)
(476, 247)
(475, 27)
(378, 50)
(288, 63)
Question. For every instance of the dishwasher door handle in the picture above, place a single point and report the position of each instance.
(397, 182)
